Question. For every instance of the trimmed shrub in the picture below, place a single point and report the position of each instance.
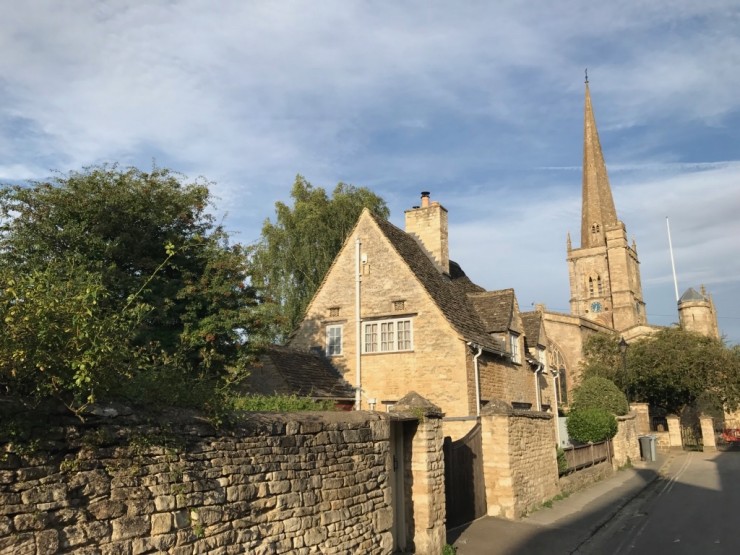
(591, 425)
(600, 393)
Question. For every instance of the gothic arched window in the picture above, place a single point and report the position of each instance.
(557, 363)
(599, 287)
(591, 286)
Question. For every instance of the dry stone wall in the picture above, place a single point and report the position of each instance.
(300, 483)
(519, 461)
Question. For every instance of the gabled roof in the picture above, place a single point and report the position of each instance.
(449, 292)
(532, 322)
(287, 371)
(496, 309)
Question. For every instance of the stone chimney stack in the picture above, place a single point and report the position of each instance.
(428, 225)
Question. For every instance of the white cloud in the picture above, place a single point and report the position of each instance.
(480, 102)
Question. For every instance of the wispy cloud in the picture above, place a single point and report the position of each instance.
(479, 102)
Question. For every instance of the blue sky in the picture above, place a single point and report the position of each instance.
(480, 103)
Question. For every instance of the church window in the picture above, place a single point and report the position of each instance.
(599, 286)
(595, 228)
(563, 385)
(557, 364)
(591, 286)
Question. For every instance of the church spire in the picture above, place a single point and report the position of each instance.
(598, 205)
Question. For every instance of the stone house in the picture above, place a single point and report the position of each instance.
(395, 314)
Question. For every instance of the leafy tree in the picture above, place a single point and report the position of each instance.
(672, 369)
(601, 393)
(119, 273)
(295, 252)
(591, 425)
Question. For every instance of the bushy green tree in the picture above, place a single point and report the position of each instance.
(118, 273)
(591, 425)
(600, 393)
(670, 369)
(295, 252)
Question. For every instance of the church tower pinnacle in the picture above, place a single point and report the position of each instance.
(604, 272)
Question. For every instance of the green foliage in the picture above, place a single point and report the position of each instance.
(295, 252)
(670, 369)
(562, 461)
(279, 403)
(112, 280)
(597, 392)
(591, 425)
(449, 549)
(603, 358)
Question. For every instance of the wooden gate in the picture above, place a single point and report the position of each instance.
(465, 492)
(691, 438)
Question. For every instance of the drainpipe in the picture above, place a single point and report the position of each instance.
(477, 376)
(538, 394)
(358, 327)
(555, 376)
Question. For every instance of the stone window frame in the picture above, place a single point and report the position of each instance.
(382, 336)
(334, 340)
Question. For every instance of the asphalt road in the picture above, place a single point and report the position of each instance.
(695, 509)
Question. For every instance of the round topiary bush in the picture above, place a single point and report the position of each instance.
(592, 424)
(600, 393)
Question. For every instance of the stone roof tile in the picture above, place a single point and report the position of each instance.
(449, 292)
(294, 372)
(495, 308)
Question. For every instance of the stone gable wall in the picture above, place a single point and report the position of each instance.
(436, 368)
(296, 483)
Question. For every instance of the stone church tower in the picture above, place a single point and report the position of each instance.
(604, 272)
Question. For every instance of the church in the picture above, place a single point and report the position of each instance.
(604, 274)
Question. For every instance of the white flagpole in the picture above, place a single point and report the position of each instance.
(673, 264)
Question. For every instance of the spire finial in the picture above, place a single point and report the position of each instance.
(587, 76)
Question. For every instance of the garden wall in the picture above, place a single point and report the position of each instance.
(271, 483)
(519, 460)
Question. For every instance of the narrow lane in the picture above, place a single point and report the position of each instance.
(694, 510)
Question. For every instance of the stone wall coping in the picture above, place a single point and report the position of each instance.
(629, 416)
(460, 418)
(415, 404)
(194, 424)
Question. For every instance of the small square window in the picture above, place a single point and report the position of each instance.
(399, 305)
(334, 311)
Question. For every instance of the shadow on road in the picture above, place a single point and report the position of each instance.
(569, 524)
